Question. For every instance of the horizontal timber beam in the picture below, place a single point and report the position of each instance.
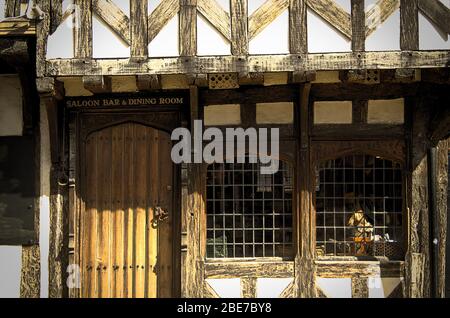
(251, 64)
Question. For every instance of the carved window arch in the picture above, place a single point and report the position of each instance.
(359, 206)
(249, 214)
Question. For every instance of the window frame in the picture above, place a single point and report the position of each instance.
(289, 158)
(393, 150)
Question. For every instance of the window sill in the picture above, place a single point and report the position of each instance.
(234, 268)
(347, 268)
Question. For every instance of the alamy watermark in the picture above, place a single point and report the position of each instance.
(237, 146)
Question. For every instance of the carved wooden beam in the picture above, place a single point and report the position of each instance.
(97, 84)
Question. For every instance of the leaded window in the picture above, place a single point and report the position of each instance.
(359, 207)
(249, 214)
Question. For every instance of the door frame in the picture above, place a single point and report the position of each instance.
(83, 122)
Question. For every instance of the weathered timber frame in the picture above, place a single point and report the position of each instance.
(239, 28)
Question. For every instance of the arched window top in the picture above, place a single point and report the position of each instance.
(359, 207)
(249, 214)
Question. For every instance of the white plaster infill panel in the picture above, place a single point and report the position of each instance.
(335, 287)
(271, 287)
(226, 288)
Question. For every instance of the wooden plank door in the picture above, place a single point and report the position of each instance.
(126, 249)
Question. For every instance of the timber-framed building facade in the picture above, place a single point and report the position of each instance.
(357, 209)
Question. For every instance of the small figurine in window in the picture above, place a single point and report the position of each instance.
(362, 230)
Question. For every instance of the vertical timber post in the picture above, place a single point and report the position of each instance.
(304, 262)
(83, 29)
(358, 26)
(139, 28)
(409, 25)
(192, 209)
(188, 28)
(50, 92)
(239, 27)
(298, 35)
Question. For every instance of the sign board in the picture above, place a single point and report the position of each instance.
(128, 101)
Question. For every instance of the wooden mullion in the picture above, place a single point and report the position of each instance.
(298, 35)
(358, 25)
(83, 34)
(188, 28)
(239, 27)
(409, 25)
(139, 28)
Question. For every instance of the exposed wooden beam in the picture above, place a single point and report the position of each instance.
(358, 26)
(217, 16)
(83, 34)
(17, 27)
(114, 18)
(334, 14)
(349, 269)
(139, 28)
(250, 64)
(298, 35)
(188, 28)
(437, 12)
(409, 25)
(163, 13)
(42, 34)
(265, 15)
(379, 13)
(249, 269)
(239, 27)
(97, 84)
